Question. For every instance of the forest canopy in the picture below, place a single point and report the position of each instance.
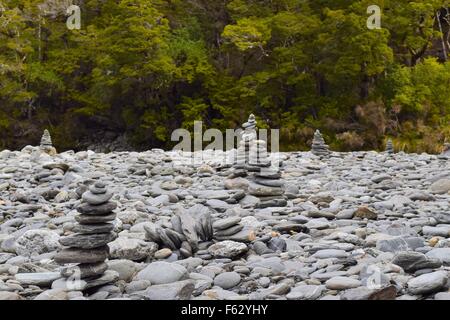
(143, 68)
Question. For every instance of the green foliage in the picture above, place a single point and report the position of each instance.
(248, 33)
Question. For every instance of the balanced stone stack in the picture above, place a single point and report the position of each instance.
(247, 145)
(265, 184)
(186, 230)
(252, 156)
(268, 187)
(319, 148)
(46, 144)
(87, 247)
(389, 147)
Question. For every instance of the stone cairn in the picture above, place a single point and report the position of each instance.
(389, 147)
(87, 247)
(266, 183)
(319, 148)
(46, 143)
(252, 156)
(246, 144)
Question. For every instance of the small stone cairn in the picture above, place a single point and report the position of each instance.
(87, 247)
(266, 183)
(252, 156)
(318, 147)
(46, 144)
(247, 144)
(389, 147)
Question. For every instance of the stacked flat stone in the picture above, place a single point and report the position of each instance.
(49, 174)
(268, 187)
(87, 248)
(319, 148)
(246, 145)
(46, 143)
(389, 147)
(265, 182)
(224, 229)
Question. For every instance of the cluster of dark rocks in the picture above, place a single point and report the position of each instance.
(185, 231)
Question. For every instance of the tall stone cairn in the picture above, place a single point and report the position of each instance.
(318, 147)
(265, 182)
(46, 143)
(87, 247)
(389, 147)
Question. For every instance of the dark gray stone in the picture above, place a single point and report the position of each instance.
(103, 209)
(93, 228)
(96, 199)
(412, 261)
(87, 219)
(87, 241)
(85, 270)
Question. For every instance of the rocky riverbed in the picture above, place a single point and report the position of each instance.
(360, 225)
